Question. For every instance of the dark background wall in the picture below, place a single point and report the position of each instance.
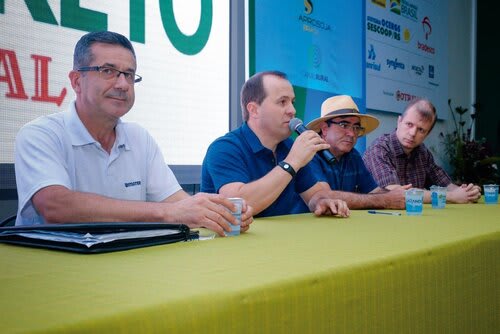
(487, 74)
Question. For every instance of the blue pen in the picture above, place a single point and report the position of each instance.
(384, 213)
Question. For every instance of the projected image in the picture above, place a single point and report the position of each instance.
(182, 52)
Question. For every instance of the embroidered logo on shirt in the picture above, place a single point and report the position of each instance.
(131, 184)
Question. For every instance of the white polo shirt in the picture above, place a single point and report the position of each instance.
(58, 150)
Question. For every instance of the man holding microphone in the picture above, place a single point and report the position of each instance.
(260, 163)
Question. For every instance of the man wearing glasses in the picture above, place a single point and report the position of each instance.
(87, 165)
(340, 125)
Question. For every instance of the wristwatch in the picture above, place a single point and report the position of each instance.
(288, 168)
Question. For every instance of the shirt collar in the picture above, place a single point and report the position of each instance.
(345, 157)
(396, 145)
(79, 134)
(252, 139)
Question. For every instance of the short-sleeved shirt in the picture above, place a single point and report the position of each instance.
(347, 174)
(239, 156)
(58, 150)
(389, 164)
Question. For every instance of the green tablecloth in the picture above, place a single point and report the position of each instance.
(438, 273)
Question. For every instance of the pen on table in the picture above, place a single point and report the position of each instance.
(384, 213)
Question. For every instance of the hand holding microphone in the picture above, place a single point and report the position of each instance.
(297, 126)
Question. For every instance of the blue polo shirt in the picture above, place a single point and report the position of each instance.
(348, 174)
(239, 156)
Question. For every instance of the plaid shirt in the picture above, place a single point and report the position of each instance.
(388, 163)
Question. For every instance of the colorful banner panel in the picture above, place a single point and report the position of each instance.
(406, 53)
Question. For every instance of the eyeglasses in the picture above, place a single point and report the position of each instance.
(357, 129)
(108, 73)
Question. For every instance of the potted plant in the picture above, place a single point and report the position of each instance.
(469, 158)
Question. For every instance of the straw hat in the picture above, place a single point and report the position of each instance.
(342, 105)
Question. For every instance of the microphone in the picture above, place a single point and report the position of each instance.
(297, 126)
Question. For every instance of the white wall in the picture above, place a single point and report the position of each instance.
(461, 76)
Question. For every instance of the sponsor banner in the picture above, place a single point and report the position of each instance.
(406, 54)
(318, 43)
(182, 50)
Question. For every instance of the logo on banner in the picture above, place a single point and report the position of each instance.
(395, 6)
(309, 22)
(418, 70)
(380, 3)
(431, 76)
(371, 53)
(308, 7)
(409, 10)
(384, 27)
(402, 96)
(395, 64)
(426, 48)
(406, 35)
(426, 27)
(404, 8)
(315, 56)
(372, 65)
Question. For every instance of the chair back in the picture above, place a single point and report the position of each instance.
(9, 221)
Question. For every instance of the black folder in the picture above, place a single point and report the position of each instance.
(98, 237)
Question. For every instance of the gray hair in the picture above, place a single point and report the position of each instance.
(83, 54)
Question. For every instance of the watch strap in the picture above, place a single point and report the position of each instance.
(288, 168)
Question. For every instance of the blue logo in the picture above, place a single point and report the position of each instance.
(132, 184)
(409, 10)
(418, 70)
(371, 53)
(384, 27)
(395, 64)
(372, 56)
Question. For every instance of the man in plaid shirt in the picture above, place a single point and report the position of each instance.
(401, 158)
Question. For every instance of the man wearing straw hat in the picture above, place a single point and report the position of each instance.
(340, 125)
